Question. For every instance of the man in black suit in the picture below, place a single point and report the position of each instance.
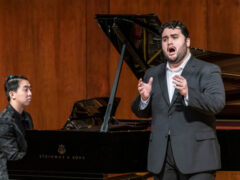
(14, 121)
(182, 96)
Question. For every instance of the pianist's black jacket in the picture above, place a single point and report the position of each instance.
(13, 145)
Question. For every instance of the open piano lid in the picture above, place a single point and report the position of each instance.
(141, 35)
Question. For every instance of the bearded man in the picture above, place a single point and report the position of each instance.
(182, 96)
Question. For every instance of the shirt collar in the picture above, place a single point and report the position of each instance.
(17, 114)
(181, 67)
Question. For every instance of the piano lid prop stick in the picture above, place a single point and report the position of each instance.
(107, 116)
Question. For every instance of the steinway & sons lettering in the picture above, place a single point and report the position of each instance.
(65, 157)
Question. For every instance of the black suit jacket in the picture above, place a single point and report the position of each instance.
(13, 145)
(192, 127)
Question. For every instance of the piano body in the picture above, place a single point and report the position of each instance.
(80, 151)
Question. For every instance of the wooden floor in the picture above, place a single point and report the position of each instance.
(221, 175)
(224, 175)
(228, 175)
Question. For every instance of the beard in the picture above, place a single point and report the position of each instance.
(180, 55)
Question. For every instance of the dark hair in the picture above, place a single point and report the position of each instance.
(173, 25)
(12, 84)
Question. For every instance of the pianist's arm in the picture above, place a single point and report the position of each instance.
(10, 136)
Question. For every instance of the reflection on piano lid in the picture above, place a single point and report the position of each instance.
(89, 113)
(141, 35)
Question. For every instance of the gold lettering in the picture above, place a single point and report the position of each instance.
(54, 156)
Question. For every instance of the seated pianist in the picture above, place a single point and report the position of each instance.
(14, 121)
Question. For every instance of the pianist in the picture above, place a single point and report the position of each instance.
(182, 96)
(14, 121)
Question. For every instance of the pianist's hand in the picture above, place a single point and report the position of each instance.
(145, 89)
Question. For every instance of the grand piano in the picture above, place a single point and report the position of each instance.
(80, 150)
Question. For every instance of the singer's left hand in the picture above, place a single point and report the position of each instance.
(180, 83)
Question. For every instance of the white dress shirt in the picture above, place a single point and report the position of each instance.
(169, 75)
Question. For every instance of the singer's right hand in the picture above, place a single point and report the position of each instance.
(145, 89)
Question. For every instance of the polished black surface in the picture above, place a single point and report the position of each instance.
(230, 148)
(88, 113)
(141, 35)
(74, 153)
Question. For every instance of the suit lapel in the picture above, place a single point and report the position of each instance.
(163, 83)
(187, 74)
(19, 134)
(189, 68)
